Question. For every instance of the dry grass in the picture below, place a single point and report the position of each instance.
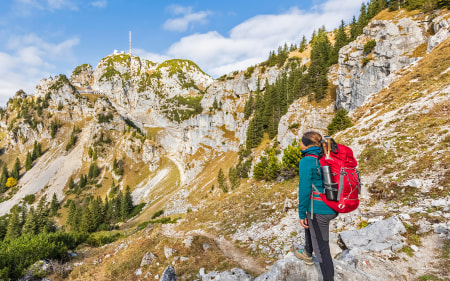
(420, 51)
(429, 72)
(122, 265)
(395, 15)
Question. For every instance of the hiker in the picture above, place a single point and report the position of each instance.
(317, 225)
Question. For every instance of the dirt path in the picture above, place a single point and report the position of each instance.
(225, 246)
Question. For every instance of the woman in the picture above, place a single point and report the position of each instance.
(316, 228)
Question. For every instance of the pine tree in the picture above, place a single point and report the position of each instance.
(71, 183)
(127, 204)
(318, 69)
(28, 162)
(30, 227)
(340, 122)
(72, 217)
(221, 181)
(96, 213)
(86, 223)
(54, 205)
(303, 44)
(4, 179)
(16, 169)
(248, 108)
(117, 206)
(13, 229)
(291, 157)
(340, 41)
(44, 222)
(233, 177)
(83, 181)
(93, 170)
(353, 29)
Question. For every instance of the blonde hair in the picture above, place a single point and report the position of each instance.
(313, 137)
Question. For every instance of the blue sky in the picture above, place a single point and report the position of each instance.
(42, 38)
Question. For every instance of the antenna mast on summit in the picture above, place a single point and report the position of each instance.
(130, 43)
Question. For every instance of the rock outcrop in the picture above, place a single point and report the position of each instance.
(398, 44)
(378, 236)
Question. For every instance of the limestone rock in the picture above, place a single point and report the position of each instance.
(378, 236)
(396, 42)
(168, 252)
(301, 117)
(292, 269)
(148, 259)
(235, 274)
(169, 274)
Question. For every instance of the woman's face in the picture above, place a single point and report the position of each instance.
(302, 146)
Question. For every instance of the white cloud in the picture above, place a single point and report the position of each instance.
(100, 4)
(27, 60)
(153, 57)
(25, 7)
(251, 41)
(187, 19)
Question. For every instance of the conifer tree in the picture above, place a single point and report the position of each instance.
(107, 210)
(54, 205)
(4, 179)
(71, 183)
(340, 122)
(96, 213)
(83, 181)
(3, 226)
(127, 204)
(117, 206)
(14, 228)
(303, 44)
(248, 108)
(72, 216)
(353, 29)
(86, 223)
(340, 41)
(30, 227)
(291, 157)
(16, 169)
(28, 162)
(233, 177)
(318, 69)
(221, 181)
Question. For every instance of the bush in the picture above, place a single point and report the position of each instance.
(18, 254)
(157, 214)
(368, 47)
(366, 61)
(291, 157)
(29, 199)
(137, 209)
(98, 239)
(340, 122)
(104, 118)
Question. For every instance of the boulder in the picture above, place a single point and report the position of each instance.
(292, 269)
(148, 259)
(376, 237)
(236, 274)
(169, 274)
(168, 252)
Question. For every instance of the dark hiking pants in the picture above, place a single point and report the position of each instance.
(316, 238)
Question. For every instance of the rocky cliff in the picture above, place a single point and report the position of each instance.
(398, 43)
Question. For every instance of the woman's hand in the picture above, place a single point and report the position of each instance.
(304, 223)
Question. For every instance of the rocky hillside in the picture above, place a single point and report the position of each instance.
(167, 130)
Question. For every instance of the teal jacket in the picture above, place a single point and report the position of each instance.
(309, 172)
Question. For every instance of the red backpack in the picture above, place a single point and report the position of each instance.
(344, 177)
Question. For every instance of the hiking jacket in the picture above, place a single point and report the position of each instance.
(308, 173)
